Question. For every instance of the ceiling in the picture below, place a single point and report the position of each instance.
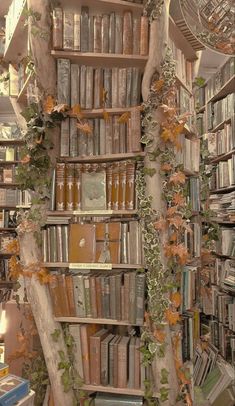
(210, 62)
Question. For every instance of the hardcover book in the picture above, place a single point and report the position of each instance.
(12, 389)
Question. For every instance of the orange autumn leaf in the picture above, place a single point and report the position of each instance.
(178, 178)
(172, 317)
(160, 225)
(85, 128)
(188, 399)
(167, 135)
(166, 167)
(178, 199)
(15, 268)
(171, 210)
(176, 299)
(183, 254)
(44, 276)
(76, 111)
(178, 128)
(157, 85)
(61, 108)
(13, 247)
(176, 221)
(106, 115)
(173, 237)
(183, 375)
(160, 335)
(49, 104)
(25, 159)
(124, 117)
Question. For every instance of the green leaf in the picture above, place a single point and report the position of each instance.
(55, 335)
(164, 392)
(164, 376)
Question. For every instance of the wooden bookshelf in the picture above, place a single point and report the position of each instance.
(91, 266)
(100, 112)
(95, 213)
(118, 5)
(223, 190)
(223, 157)
(7, 229)
(12, 142)
(201, 109)
(8, 163)
(180, 41)
(11, 207)
(22, 97)
(110, 389)
(180, 82)
(104, 158)
(9, 185)
(227, 88)
(101, 59)
(220, 125)
(17, 47)
(65, 319)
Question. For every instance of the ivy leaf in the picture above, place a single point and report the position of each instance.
(164, 376)
(55, 335)
(149, 171)
(164, 392)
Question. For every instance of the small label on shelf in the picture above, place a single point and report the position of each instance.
(92, 212)
(89, 266)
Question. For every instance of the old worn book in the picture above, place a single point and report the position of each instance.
(65, 243)
(108, 399)
(59, 243)
(108, 87)
(68, 30)
(123, 347)
(53, 245)
(75, 84)
(127, 33)
(144, 35)
(97, 33)
(63, 81)
(135, 130)
(118, 285)
(79, 295)
(102, 137)
(128, 86)
(98, 87)
(98, 295)
(122, 84)
(91, 34)
(109, 136)
(69, 187)
(60, 186)
(112, 28)
(70, 295)
(77, 186)
(131, 359)
(134, 242)
(55, 297)
(122, 186)
(124, 244)
(89, 87)
(84, 29)
(140, 298)
(137, 363)
(115, 362)
(105, 359)
(94, 190)
(109, 177)
(115, 186)
(74, 330)
(82, 143)
(96, 136)
(82, 243)
(86, 331)
(112, 288)
(126, 296)
(119, 34)
(136, 35)
(105, 33)
(90, 138)
(86, 281)
(130, 188)
(63, 295)
(123, 138)
(108, 242)
(111, 359)
(115, 138)
(135, 87)
(95, 356)
(132, 298)
(83, 86)
(73, 138)
(115, 87)
(77, 32)
(93, 296)
(57, 33)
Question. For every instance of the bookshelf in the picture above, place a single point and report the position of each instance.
(106, 157)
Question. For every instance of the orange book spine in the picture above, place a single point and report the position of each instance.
(122, 186)
(115, 186)
(130, 185)
(77, 186)
(144, 35)
(60, 186)
(69, 186)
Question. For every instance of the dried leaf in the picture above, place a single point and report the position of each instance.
(176, 299)
(160, 335)
(160, 225)
(157, 85)
(172, 317)
(178, 178)
(44, 276)
(178, 199)
(49, 104)
(171, 210)
(106, 115)
(76, 111)
(25, 159)
(85, 128)
(176, 221)
(166, 167)
(124, 117)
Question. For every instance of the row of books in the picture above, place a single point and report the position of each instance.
(219, 79)
(193, 193)
(223, 339)
(204, 361)
(224, 174)
(12, 16)
(222, 141)
(14, 197)
(95, 186)
(222, 110)
(4, 270)
(9, 153)
(8, 219)
(192, 240)
(105, 357)
(97, 88)
(188, 153)
(190, 283)
(226, 243)
(105, 136)
(9, 131)
(201, 123)
(223, 306)
(223, 205)
(190, 333)
(200, 97)
(184, 68)
(114, 242)
(8, 174)
(102, 33)
(106, 295)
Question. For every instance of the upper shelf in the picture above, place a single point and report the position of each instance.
(180, 41)
(17, 46)
(229, 87)
(103, 5)
(100, 59)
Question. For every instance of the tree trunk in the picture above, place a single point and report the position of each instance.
(157, 51)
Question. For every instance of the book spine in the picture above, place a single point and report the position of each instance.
(127, 33)
(83, 86)
(102, 139)
(91, 34)
(144, 35)
(86, 281)
(132, 298)
(137, 364)
(122, 87)
(97, 34)
(93, 297)
(112, 25)
(135, 123)
(89, 87)
(98, 87)
(126, 296)
(107, 297)
(96, 136)
(63, 81)
(90, 138)
(75, 84)
(64, 138)
(59, 242)
(73, 138)
(115, 87)
(68, 30)
(112, 280)
(75, 331)
(98, 295)
(63, 296)
(122, 365)
(130, 186)
(77, 186)
(70, 295)
(77, 32)
(109, 135)
(131, 359)
(115, 364)
(122, 186)
(123, 137)
(136, 35)
(115, 186)
(95, 361)
(84, 29)
(104, 362)
(79, 295)
(69, 187)
(105, 34)
(60, 186)
(119, 34)
(57, 18)
(124, 244)
(115, 140)
(135, 89)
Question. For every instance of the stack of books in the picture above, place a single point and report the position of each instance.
(190, 333)
(223, 338)
(219, 79)
(108, 357)
(192, 240)
(14, 389)
(99, 294)
(222, 141)
(14, 197)
(96, 87)
(9, 131)
(204, 362)
(109, 136)
(9, 153)
(223, 205)
(103, 33)
(95, 186)
(113, 242)
(226, 243)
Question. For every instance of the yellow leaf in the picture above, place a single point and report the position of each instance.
(172, 317)
(178, 178)
(76, 111)
(157, 85)
(85, 128)
(176, 299)
(49, 104)
(106, 115)
(124, 117)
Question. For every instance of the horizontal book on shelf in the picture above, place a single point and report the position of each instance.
(96, 88)
(220, 78)
(111, 242)
(204, 362)
(111, 32)
(95, 186)
(108, 399)
(223, 205)
(105, 136)
(107, 295)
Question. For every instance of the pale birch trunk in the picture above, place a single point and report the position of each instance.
(157, 51)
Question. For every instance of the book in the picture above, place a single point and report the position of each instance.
(74, 330)
(97, 34)
(127, 33)
(84, 29)
(57, 33)
(106, 399)
(63, 81)
(13, 389)
(144, 34)
(77, 32)
(105, 359)
(82, 243)
(95, 356)
(68, 30)
(122, 361)
(86, 331)
(105, 33)
(94, 189)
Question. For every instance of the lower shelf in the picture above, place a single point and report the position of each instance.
(66, 319)
(90, 265)
(110, 389)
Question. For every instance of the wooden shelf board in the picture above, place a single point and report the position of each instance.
(187, 172)
(201, 109)
(5, 255)
(14, 207)
(22, 97)
(12, 142)
(223, 157)
(7, 229)
(99, 59)
(6, 163)
(223, 190)
(220, 125)
(183, 84)
(95, 213)
(106, 4)
(17, 46)
(226, 89)
(110, 389)
(104, 158)
(9, 185)
(219, 221)
(100, 112)
(224, 256)
(180, 41)
(93, 321)
(99, 266)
